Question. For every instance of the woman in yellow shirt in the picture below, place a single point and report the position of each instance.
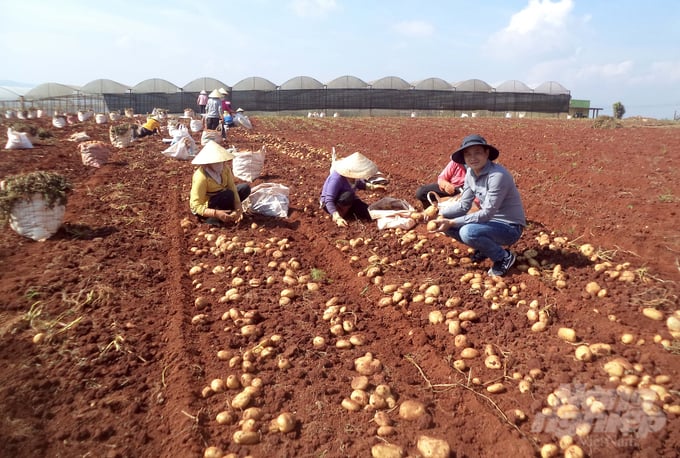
(215, 197)
(150, 127)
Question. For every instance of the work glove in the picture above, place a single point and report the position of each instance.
(375, 187)
(339, 220)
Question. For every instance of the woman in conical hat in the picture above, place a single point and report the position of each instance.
(215, 197)
(213, 111)
(338, 196)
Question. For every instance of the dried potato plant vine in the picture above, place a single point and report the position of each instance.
(500, 412)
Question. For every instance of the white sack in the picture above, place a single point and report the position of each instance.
(17, 140)
(214, 135)
(184, 149)
(33, 218)
(248, 165)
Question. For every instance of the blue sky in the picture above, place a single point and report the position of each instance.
(605, 51)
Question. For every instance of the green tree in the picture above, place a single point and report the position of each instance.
(619, 110)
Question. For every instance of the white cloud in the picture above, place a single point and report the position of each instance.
(538, 15)
(313, 8)
(660, 72)
(542, 27)
(606, 71)
(414, 28)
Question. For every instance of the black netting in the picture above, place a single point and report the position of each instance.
(324, 99)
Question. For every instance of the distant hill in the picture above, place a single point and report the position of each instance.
(10, 83)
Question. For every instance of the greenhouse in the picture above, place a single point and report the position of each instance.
(349, 94)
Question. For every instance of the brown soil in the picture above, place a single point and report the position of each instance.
(122, 369)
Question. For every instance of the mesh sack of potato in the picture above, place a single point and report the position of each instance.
(94, 153)
(121, 135)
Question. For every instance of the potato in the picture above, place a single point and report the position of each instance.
(218, 385)
(385, 430)
(246, 437)
(469, 353)
(467, 315)
(496, 388)
(359, 382)
(212, 452)
(431, 447)
(593, 288)
(573, 451)
(381, 418)
(436, 317)
(493, 362)
(387, 451)
(652, 313)
(349, 404)
(567, 334)
(583, 353)
(241, 400)
(285, 422)
(367, 365)
(225, 418)
(411, 409)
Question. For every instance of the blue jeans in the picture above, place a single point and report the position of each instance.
(488, 238)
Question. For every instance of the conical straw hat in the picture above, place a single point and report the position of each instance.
(355, 165)
(215, 94)
(212, 153)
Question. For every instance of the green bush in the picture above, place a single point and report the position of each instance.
(619, 110)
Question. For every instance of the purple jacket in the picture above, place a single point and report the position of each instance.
(334, 186)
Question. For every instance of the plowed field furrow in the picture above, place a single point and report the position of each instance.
(144, 312)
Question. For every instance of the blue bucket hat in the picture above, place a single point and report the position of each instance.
(472, 140)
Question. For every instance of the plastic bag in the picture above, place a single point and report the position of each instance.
(17, 140)
(390, 213)
(269, 199)
(390, 206)
(243, 121)
(394, 222)
(247, 165)
(184, 149)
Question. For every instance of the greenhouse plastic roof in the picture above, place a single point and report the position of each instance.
(204, 84)
(433, 84)
(347, 82)
(104, 86)
(254, 83)
(513, 86)
(8, 94)
(51, 90)
(156, 85)
(551, 87)
(302, 82)
(390, 82)
(473, 85)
